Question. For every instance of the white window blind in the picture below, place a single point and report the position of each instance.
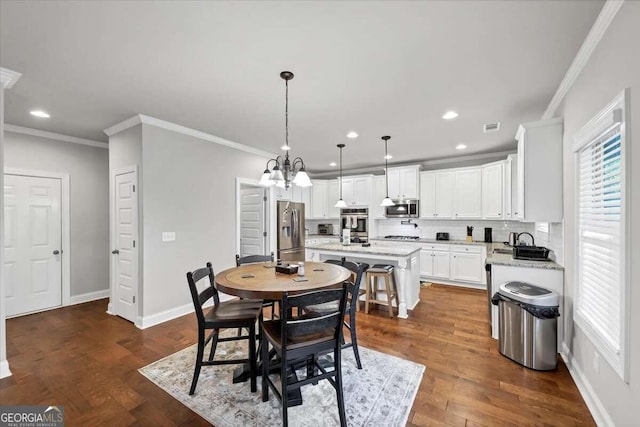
(599, 232)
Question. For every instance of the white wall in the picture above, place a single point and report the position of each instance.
(614, 65)
(89, 200)
(189, 188)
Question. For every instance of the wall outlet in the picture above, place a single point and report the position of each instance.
(596, 362)
(168, 236)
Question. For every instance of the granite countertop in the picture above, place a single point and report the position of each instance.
(442, 242)
(391, 250)
(508, 260)
(323, 235)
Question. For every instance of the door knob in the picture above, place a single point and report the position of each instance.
(56, 252)
(115, 252)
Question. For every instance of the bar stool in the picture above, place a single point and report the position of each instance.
(387, 272)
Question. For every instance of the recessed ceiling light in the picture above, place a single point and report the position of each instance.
(388, 156)
(332, 164)
(40, 113)
(352, 135)
(449, 115)
(460, 147)
(285, 147)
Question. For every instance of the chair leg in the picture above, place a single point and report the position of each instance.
(367, 294)
(252, 356)
(214, 344)
(338, 380)
(354, 340)
(283, 389)
(265, 368)
(395, 288)
(387, 284)
(196, 372)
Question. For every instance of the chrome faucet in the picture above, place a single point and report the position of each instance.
(533, 241)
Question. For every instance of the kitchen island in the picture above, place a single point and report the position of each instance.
(405, 258)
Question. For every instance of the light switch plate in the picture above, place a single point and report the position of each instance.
(168, 236)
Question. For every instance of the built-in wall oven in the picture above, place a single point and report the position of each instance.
(357, 221)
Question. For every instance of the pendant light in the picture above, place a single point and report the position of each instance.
(386, 201)
(285, 172)
(341, 203)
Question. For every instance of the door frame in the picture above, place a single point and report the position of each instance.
(113, 239)
(269, 213)
(66, 235)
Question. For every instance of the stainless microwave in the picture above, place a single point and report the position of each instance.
(403, 209)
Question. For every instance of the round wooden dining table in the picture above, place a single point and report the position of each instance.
(261, 281)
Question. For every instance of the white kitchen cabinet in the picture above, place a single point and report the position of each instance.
(510, 187)
(492, 190)
(303, 195)
(319, 199)
(466, 264)
(356, 191)
(434, 263)
(539, 171)
(404, 182)
(436, 200)
(333, 194)
(467, 193)
(282, 193)
(379, 192)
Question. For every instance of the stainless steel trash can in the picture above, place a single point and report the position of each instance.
(528, 325)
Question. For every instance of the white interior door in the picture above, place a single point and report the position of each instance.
(252, 221)
(33, 244)
(126, 250)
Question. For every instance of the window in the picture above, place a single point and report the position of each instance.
(602, 289)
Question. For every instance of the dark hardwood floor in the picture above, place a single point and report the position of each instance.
(87, 360)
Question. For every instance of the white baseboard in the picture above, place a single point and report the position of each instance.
(597, 409)
(436, 281)
(145, 322)
(4, 369)
(89, 296)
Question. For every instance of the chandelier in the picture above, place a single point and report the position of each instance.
(285, 172)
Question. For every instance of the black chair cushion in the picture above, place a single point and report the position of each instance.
(272, 328)
(381, 268)
(234, 311)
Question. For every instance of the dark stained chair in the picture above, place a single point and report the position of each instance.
(298, 340)
(228, 314)
(252, 259)
(353, 292)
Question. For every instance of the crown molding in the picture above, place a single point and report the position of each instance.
(152, 121)
(602, 22)
(124, 125)
(56, 136)
(8, 78)
(423, 163)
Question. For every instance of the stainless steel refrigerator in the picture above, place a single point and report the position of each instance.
(290, 229)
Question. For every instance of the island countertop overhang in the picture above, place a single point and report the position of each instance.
(377, 249)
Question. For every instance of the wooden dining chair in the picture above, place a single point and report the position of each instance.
(228, 314)
(353, 292)
(252, 259)
(298, 340)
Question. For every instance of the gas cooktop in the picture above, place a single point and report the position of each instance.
(402, 237)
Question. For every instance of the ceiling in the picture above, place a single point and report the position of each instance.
(379, 68)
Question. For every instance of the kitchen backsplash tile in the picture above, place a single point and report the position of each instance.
(457, 229)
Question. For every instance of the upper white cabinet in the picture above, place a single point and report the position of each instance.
(356, 191)
(379, 193)
(324, 195)
(467, 193)
(333, 194)
(404, 182)
(510, 186)
(493, 190)
(319, 199)
(303, 195)
(282, 193)
(539, 171)
(436, 199)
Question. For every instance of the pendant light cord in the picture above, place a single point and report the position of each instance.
(286, 114)
(386, 166)
(340, 173)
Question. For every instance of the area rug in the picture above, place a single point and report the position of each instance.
(380, 394)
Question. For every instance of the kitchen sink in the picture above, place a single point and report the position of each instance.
(503, 251)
